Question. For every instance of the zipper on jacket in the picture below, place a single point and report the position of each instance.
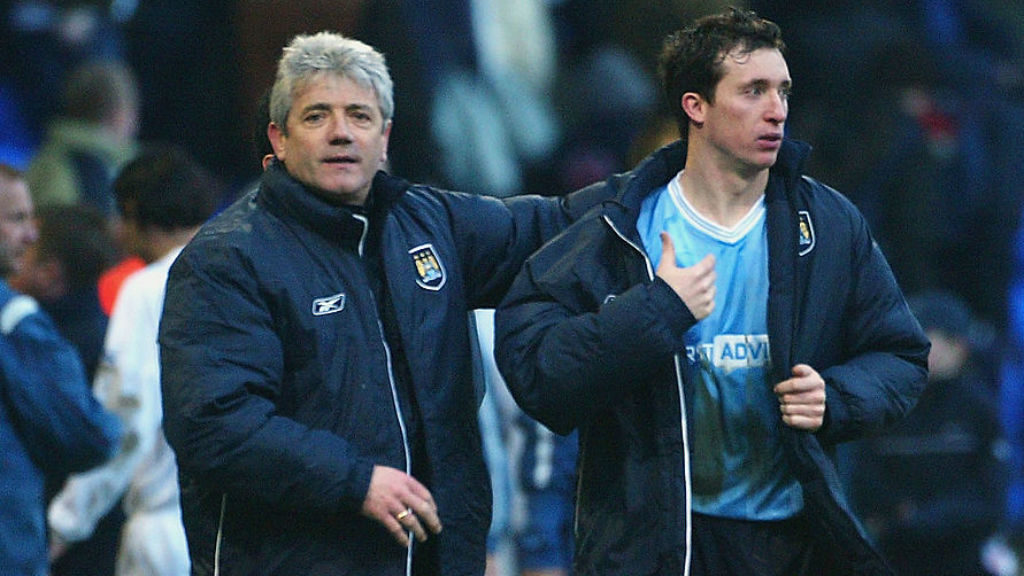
(682, 409)
(405, 434)
(366, 232)
(391, 383)
(220, 534)
(394, 399)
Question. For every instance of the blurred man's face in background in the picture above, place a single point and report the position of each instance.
(17, 225)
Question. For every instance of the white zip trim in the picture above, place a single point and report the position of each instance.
(686, 468)
(366, 231)
(401, 426)
(682, 411)
(391, 383)
(639, 250)
(394, 399)
(220, 534)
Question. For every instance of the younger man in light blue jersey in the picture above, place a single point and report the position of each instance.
(712, 332)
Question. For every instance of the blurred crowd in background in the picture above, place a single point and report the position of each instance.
(915, 110)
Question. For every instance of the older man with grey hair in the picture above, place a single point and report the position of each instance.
(316, 355)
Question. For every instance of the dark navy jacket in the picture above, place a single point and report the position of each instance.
(50, 426)
(281, 390)
(588, 338)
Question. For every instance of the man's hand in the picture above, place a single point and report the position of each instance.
(802, 398)
(401, 504)
(694, 285)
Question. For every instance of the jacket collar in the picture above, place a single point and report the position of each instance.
(662, 165)
(286, 197)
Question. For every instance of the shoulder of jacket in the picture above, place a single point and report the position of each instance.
(16, 309)
(822, 194)
(581, 241)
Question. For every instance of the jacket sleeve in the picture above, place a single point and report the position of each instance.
(568, 350)
(495, 236)
(64, 428)
(221, 375)
(886, 359)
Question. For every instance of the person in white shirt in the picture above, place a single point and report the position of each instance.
(163, 197)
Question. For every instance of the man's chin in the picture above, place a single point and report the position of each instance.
(339, 195)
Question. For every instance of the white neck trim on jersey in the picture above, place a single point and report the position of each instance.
(730, 235)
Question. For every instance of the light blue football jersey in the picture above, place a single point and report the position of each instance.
(738, 466)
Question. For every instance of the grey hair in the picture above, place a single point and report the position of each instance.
(308, 56)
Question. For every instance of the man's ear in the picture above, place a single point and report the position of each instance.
(387, 138)
(277, 139)
(695, 107)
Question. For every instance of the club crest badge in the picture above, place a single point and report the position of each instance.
(430, 273)
(806, 233)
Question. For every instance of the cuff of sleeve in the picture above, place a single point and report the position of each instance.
(836, 414)
(672, 306)
(64, 524)
(360, 482)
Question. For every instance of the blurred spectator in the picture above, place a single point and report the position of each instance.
(521, 96)
(50, 425)
(94, 136)
(495, 436)
(61, 271)
(163, 197)
(18, 231)
(547, 480)
(86, 145)
(478, 77)
(930, 489)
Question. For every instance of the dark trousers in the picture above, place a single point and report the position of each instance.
(727, 547)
